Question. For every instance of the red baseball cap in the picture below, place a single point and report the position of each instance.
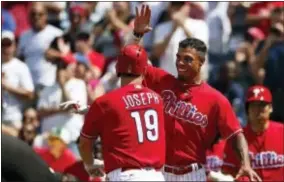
(259, 93)
(132, 60)
(78, 9)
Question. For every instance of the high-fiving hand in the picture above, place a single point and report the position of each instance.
(142, 20)
(74, 107)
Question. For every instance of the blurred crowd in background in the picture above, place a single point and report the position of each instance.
(52, 52)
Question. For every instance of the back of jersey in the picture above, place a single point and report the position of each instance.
(134, 132)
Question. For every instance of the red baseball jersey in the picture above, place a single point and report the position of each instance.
(195, 117)
(266, 152)
(214, 156)
(130, 122)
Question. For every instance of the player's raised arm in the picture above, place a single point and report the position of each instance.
(141, 24)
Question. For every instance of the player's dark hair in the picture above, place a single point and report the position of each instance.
(196, 44)
(83, 36)
(127, 75)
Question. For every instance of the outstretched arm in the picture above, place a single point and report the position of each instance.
(141, 25)
(240, 145)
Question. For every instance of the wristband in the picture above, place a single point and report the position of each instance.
(138, 35)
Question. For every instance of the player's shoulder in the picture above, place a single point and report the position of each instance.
(214, 94)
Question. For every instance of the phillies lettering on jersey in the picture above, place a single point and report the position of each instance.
(183, 110)
(214, 163)
(266, 160)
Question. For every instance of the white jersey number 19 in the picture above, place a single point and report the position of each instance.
(151, 123)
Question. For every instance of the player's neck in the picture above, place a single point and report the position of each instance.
(128, 81)
(258, 128)
(195, 81)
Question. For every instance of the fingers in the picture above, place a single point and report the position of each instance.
(137, 12)
(257, 177)
(238, 175)
(148, 13)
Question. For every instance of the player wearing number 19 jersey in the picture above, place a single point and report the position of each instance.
(130, 122)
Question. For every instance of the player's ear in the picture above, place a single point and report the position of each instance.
(270, 109)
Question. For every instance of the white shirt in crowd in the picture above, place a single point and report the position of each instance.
(51, 97)
(220, 28)
(198, 29)
(32, 45)
(17, 74)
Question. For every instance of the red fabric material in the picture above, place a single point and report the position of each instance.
(60, 164)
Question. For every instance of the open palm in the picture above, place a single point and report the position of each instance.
(142, 20)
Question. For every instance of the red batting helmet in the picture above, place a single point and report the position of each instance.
(259, 93)
(132, 60)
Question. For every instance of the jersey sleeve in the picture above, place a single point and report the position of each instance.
(93, 125)
(228, 123)
(153, 75)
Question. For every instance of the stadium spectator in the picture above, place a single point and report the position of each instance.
(97, 10)
(8, 21)
(168, 34)
(85, 54)
(28, 133)
(260, 15)
(33, 44)
(55, 12)
(57, 155)
(31, 117)
(66, 88)
(94, 86)
(109, 32)
(227, 85)
(16, 83)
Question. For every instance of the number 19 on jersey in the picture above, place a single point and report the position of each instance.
(151, 124)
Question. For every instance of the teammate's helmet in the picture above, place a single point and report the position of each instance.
(132, 60)
(258, 93)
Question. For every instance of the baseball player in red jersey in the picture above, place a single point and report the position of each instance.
(265, 138)
(196, 115)
(130, 122)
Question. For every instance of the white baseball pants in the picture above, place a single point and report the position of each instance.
(195, 175)
(136, 175)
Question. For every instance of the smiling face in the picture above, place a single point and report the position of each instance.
(188, 63)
